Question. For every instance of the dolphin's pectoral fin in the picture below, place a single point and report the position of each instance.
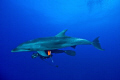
(96, 44)
(70, 52)
(73, 46)
(61, 34)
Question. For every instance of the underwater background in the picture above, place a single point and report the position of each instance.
(23, 20)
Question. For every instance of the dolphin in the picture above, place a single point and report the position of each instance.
(55, 42)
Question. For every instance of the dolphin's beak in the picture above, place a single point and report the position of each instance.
(12, 51)
(15, 50)
(19, 50)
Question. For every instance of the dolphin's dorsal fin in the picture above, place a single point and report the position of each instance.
(61, 34)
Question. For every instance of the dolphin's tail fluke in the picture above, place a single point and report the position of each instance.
(96, 44)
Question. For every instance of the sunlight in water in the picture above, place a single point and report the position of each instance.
(63, 11)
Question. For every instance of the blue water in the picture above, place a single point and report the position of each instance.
(23, 20)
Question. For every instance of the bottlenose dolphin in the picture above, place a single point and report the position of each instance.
(56, 42)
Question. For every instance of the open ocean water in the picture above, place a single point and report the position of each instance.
(23, 20)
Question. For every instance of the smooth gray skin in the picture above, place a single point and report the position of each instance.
(51, 43)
